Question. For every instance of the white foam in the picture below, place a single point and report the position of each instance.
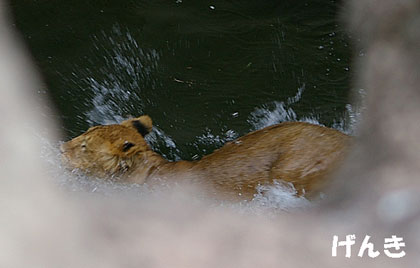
(276, 197)
(280, 195)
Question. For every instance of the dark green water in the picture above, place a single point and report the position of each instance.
(205, 71)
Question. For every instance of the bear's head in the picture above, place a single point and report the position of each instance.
(110, 149)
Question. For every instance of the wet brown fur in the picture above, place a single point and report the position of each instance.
(295, 152)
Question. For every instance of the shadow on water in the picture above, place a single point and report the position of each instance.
(205, 72)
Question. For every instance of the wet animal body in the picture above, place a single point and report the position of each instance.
(299, 153)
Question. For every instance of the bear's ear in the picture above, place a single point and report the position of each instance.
(142, 124)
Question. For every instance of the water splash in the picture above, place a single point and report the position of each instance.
(349, 121)
(118, 84)
(159, 139)
(208, 138)
(297, 97)
(270, 200)
(279, 195)
(277, 112)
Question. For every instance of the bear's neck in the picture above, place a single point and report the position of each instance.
(151, 166)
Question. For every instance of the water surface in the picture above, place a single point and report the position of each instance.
(206, 71)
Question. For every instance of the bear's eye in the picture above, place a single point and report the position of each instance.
(127, 145)
(83, 145)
